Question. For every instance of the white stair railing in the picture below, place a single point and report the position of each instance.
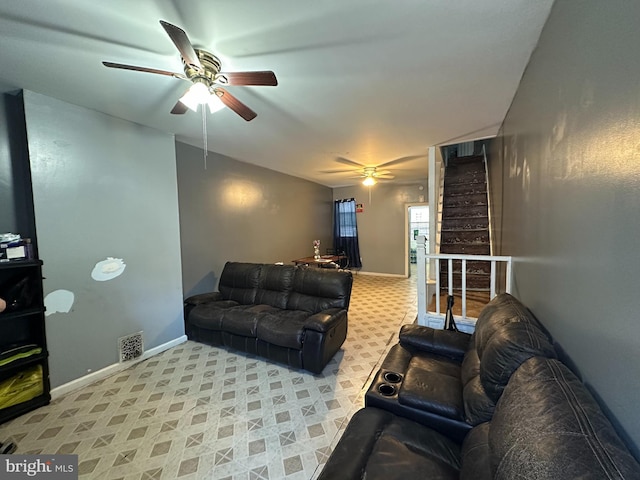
(426, 290)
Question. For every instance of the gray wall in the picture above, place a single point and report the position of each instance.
(234, 211)
(567, 180)
(104, 187)
(381, 226)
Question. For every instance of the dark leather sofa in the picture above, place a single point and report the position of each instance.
(295, 315)
(546, 426)
(451, 381)
(497, 404)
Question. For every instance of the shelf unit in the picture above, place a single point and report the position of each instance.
(23, 324)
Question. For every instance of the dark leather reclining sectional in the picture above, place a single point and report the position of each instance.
(295, 315)
(450, 380)
(493, 405)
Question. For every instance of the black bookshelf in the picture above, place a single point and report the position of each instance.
(23, 322)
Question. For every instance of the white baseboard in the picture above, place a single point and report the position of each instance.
(112, 369)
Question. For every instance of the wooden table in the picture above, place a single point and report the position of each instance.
(318, 263)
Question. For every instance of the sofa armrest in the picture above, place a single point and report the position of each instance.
(203, 298)
(447, 343)
(325, 320)
(324, 334)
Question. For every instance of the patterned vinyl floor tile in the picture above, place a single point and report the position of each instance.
(201, 412)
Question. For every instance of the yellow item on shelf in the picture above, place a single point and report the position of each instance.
(22, 387)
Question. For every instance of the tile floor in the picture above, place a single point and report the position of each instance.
(201, 412)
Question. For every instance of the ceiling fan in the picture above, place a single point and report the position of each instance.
(203, 70)
(371, 174)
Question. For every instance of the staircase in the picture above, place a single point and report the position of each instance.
(465, 223)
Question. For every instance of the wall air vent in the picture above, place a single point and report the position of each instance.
(130, 347)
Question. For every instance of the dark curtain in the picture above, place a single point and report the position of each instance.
(345, 232)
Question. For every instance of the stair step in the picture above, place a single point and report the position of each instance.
(465, 211)
(452, 226)
(444, 288)
(473, 159)
(470, 219)
(459, 182)
(464, 202)
(464, 171)
(457, 285)
(467, 198)
(479, 267)
(475, 235)
(465, 229)
(463, 249)
(467, 238)
(472, 282)
(477, 189)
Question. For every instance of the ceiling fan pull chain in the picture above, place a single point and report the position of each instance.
(204, 134)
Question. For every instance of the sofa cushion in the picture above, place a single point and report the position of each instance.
(433, 386)
(203, 298)
(209, 315)
(478, 407)
(506, 350)
(239, 282)
(317, 289)
(470, 366)
(378, 445)
(274, 285)
(435, 364)
(475, 454)
(284, 328)
(243, 319)
(501, 310)
(547, 426)
(451, 344)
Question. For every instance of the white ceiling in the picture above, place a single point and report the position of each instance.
(366, 81)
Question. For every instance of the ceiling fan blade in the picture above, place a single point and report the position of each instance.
(385, 176)
(179, 108)
(182, 43)
(264, 78)
(236, 105)
(401, 160)
(337, 171)
(143, 69)
(346, 161)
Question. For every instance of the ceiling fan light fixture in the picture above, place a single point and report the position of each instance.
(215, 104)
(369, 181)
(198, 94)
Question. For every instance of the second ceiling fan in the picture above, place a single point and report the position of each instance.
(370, 174)
(203, 70)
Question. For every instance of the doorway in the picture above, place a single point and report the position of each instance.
(418, 224)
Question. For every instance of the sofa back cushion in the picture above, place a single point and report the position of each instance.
(501, 310)
(274, 285)
(318, 289)
(548, 426)
(506, 350)
(239, 282)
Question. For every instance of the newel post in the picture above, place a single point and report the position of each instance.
(421, 263)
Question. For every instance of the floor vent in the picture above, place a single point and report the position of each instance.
(130, 347)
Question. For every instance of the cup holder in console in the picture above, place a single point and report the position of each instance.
(392, 377)
(386, 390)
